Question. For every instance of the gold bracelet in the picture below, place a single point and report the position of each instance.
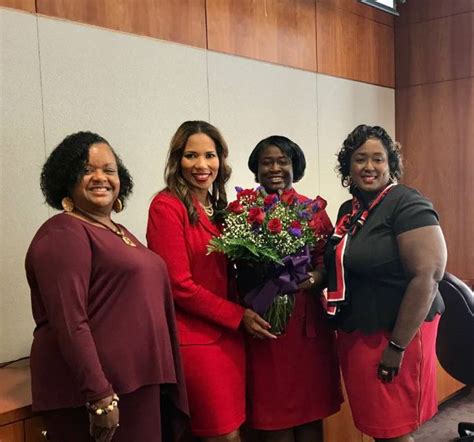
(99, 411)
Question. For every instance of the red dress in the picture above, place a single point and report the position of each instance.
(295, 379)
(212, 347)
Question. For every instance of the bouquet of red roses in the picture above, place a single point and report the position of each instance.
(272, 235)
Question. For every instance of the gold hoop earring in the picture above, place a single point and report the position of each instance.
(118, 205)
(67, 204)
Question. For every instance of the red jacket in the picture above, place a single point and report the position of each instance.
(198, 280)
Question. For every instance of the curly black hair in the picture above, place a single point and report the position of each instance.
(65, 167)
(288, 147)
(356, 139)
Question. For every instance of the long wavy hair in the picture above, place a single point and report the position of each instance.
(177, 185)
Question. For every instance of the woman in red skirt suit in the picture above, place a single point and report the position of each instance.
(180, 225)
(293, 381)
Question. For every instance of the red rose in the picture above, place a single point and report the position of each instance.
(256, 216)
(318, 204)
(235, 207)
(270, 199)
(288, 197)
(315, 224)
(248, 194)
(274, 226)
(295, 224)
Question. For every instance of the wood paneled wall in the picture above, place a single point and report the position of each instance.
(435, 50)
(282, 32)
(435, 112)
(352, 46)
(24, 5)
(424, 10)
(342, 38)
(182, 21)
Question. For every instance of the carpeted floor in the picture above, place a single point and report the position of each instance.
(444, 426)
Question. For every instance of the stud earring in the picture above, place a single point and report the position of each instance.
(68, 204)
(118, 205)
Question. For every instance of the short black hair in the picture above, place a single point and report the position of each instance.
(288, 147)
(356, 139)
(65, 167)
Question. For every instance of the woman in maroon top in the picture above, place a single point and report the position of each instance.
(293, 381)
(181, 223)
(105, 337)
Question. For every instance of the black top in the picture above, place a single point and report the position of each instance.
(375, 277)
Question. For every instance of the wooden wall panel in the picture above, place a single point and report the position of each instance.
(278, 31)
(446, 385)
(24, 5)
(340, 426)
(34, 428)
(354, 47)
(422, 10)
(12, 432)
(358, 8)
(435, 50)
(434, 124)
(181, 21)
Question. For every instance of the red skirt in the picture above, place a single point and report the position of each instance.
(215, 382)
(294, 379)
(393, 409)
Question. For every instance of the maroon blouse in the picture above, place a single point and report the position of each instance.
(104, 316)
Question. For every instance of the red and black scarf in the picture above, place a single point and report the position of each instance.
(347, 226)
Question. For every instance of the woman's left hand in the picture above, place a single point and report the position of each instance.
(389, 365)
(102, 427)
(315, 278)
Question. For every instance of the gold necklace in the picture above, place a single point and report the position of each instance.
(119, 232)
(209, 210)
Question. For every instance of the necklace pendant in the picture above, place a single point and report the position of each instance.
(128, 241)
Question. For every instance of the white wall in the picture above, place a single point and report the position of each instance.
(59, 77)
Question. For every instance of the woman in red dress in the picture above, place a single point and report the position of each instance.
(180, 225)
(293, 381)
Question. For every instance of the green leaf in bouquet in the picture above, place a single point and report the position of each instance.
(242, 249)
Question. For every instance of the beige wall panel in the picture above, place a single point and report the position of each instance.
(278, 31)
(354, 47)
(181, 21)
(25, 5)
(134, 91)
(250, 100)
(342, 105)
(436, 50)
(21, 157)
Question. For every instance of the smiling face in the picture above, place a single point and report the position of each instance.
(200, 163)
(370, 170)
(99, 186)
(275, 170)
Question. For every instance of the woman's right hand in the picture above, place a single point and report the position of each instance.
(256, 326)
(102, 428)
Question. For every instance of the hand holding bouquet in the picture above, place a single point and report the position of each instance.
(272, 234)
